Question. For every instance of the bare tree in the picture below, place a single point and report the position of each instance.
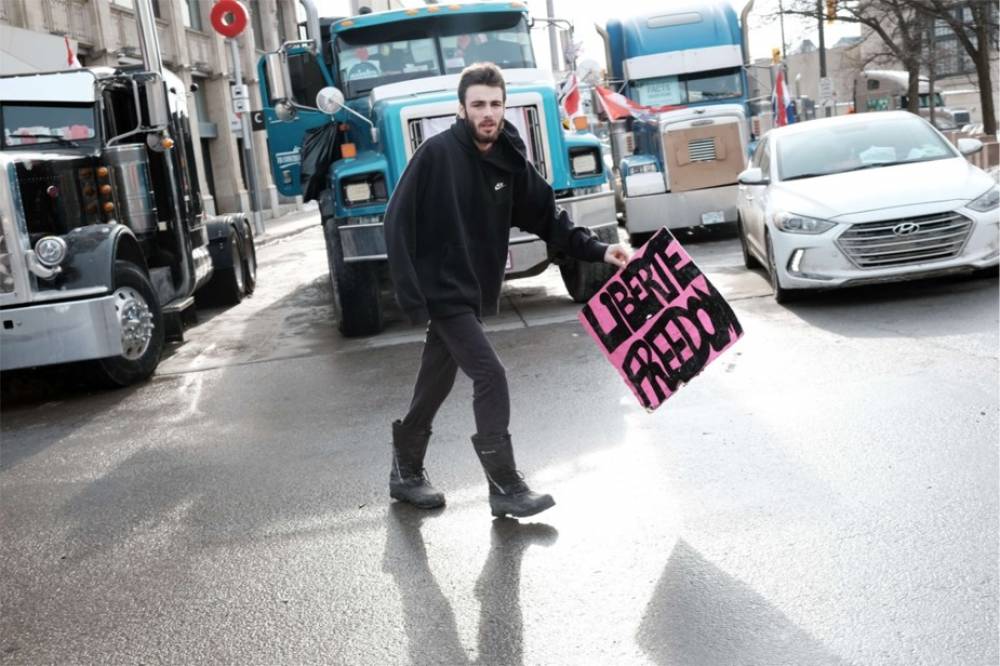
(975, 25)
(899, 24)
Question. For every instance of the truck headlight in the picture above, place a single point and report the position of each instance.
(801, 224)
(585, 162)
(367, 188)
(649, 167)
(50, 250)
(987, 202)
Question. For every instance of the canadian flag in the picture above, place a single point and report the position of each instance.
(617, 105)
(569, 95)
(71, 60)
(782, 105)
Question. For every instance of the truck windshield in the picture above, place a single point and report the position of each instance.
(46, 125)
(689, 88)
(925, 100)
(389, 53)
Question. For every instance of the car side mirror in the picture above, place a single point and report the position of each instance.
(753, 176)
(969, 146)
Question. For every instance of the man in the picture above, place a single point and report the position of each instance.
(446, 229)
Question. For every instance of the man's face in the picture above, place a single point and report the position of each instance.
(483, 110)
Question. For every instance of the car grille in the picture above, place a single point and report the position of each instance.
(905, 241)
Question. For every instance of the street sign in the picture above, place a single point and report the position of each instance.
(826, 90)
(229, 18)
(257, 120)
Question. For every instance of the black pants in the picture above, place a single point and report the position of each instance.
(453, 343)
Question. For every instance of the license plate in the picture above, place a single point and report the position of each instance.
(713, 217)
(510, 261)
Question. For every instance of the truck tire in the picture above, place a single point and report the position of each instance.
(584, 278)
(141, 319)
(228, 284)
(357, 303)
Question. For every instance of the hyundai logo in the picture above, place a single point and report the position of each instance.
(906, 228)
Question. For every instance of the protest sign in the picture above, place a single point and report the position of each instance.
(660, 321)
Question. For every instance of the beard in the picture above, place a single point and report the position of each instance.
(485, 135)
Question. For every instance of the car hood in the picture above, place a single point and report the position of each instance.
(904, 185)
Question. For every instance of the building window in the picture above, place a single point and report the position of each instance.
(130, 4)
(950, 57)
(192, 14)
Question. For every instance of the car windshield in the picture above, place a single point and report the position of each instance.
(689, 88)
(827, 149)
(46, 125)
(377, 55)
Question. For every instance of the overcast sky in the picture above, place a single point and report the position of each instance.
(765, 33)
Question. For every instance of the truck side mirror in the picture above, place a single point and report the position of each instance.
(279, 88)
(157, 107)
(329, 100)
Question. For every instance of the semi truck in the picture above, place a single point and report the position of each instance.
(369, 89)
(885, 90)
(678, 167)
(104, 243)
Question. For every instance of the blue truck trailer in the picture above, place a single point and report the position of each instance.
(387, 81)
(678, 167)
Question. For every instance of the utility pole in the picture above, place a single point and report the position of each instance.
(822, 51)
(781, 18)
(553, 37)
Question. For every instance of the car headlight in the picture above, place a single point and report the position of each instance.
(986, 202)
(801, 224)
(585, 162)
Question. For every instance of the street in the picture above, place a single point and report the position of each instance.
(825, 493)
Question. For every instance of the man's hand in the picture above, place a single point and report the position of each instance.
(618, 255)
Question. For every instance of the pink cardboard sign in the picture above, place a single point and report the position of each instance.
(660, 321)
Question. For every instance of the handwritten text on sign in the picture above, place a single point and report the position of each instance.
(660, 321)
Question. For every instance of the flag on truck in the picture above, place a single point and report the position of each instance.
(569, 95)
(71, 60)
(617, 105)
(782, 105)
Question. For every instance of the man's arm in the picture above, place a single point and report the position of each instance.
(401, 239)
(535, 211)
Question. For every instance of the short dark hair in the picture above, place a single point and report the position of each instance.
(481, 74)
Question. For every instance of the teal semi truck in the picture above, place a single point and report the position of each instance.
(678, 167)
(369, 89)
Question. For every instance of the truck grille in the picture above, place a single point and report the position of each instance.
(525, 118)
(701, 150)
(905, 241)
(6, 271)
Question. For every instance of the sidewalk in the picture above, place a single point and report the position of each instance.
(289, 224)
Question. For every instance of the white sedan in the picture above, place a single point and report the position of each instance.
(862, 199)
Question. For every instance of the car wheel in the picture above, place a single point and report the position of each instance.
(249, 262)
(749, 261)
(781, 295)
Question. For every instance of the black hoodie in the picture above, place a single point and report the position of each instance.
(448, 223)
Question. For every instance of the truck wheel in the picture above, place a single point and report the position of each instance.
(227, 286)
(141, 320)
(249, 261)
(584, 278)
(356, 296)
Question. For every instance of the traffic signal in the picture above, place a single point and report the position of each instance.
(831, 11)
(775, 56)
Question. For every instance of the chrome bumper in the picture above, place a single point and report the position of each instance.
(676, 210)
(366, 242)
(59, 333)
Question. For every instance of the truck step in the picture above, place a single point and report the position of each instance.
(178, 315)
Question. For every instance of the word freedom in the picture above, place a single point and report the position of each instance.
(660, 321)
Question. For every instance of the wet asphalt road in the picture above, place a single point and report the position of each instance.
(825, 493)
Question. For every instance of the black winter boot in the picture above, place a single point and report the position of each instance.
(407, 481)
(509, 494)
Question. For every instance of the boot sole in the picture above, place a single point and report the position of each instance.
(429, 504)
(499, 512)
